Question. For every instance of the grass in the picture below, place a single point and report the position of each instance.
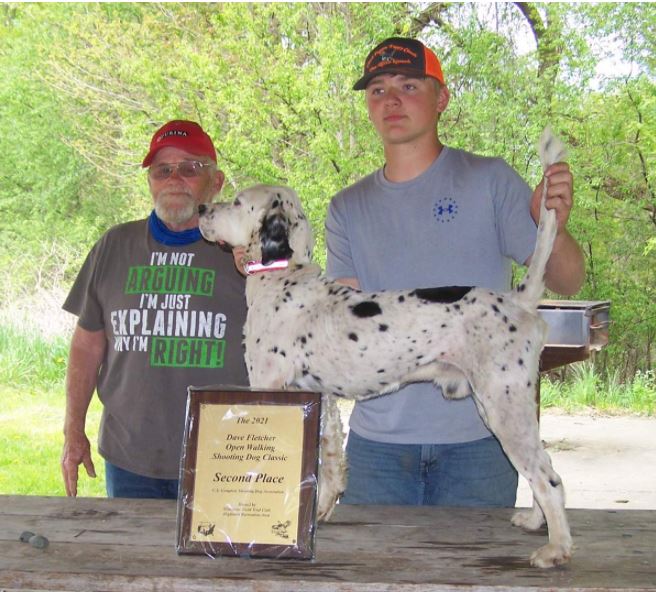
(585, 389)
(32, 403)
(31, 441)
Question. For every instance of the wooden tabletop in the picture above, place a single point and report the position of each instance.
(129, 545)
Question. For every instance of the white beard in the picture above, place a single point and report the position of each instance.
(171, 211)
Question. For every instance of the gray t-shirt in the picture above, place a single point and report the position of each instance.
(173, 317)
(460, 223)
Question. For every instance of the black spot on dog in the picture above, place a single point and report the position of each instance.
(495, 308)
(380, 371)
(512, 328)
(451, 388)
(366, 309)
(401, 298)
(382, 327)
(554, 482)
(352, 336)
(521, 287)
(520, 362)
(443, 295)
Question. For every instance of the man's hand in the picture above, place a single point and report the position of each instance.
(77, 450)
(84, 361)
(560, 191)
(239, 255)
(565, 272)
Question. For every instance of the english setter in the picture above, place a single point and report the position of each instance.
(305, 331)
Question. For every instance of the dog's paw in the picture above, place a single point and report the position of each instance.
(326, 507)
(551, 555)
(531, 519)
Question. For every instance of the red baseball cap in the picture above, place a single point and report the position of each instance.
(400, 55)
(185, 135)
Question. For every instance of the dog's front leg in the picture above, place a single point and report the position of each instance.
(332, 461)
(266, 371)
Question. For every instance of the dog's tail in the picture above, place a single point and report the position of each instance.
(529, 292)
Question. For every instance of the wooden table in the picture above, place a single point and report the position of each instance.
(128, 545)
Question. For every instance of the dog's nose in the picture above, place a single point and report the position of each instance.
(201, 209)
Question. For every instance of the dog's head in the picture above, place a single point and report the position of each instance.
(268, 220)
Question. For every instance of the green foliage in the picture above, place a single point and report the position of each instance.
(28, 359)
(85, 85)
(586, 389)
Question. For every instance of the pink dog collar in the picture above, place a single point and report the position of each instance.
(257, 266)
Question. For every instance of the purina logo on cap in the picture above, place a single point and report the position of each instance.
(400, 55)
(185, 135)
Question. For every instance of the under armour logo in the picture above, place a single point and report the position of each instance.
(445, 209)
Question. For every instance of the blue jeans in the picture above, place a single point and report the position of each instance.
(466, 474)
(122, 483)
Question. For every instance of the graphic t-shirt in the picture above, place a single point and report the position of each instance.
(173, 317)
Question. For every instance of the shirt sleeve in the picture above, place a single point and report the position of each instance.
(516, 229)
(339, 260)
(82, 300)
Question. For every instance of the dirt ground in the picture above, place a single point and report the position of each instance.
(605, 462)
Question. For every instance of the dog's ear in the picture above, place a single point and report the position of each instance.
(274, 236)
(299, 230)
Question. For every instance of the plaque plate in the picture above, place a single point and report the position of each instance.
(248, 473)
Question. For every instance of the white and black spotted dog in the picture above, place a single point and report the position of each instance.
(305, 331)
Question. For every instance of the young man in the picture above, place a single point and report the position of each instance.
(159, 309)
(433, 216)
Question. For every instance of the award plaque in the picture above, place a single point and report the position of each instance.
(248, 473)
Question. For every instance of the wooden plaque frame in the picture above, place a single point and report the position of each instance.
(301, 543)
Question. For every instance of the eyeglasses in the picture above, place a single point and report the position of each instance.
(185, 168)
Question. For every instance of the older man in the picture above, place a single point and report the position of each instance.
(158, 309)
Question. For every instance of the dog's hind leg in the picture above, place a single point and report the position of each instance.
(511, 416)
(332, 462)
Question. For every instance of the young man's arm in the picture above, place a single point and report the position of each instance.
(351, 282)
(86, 356)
